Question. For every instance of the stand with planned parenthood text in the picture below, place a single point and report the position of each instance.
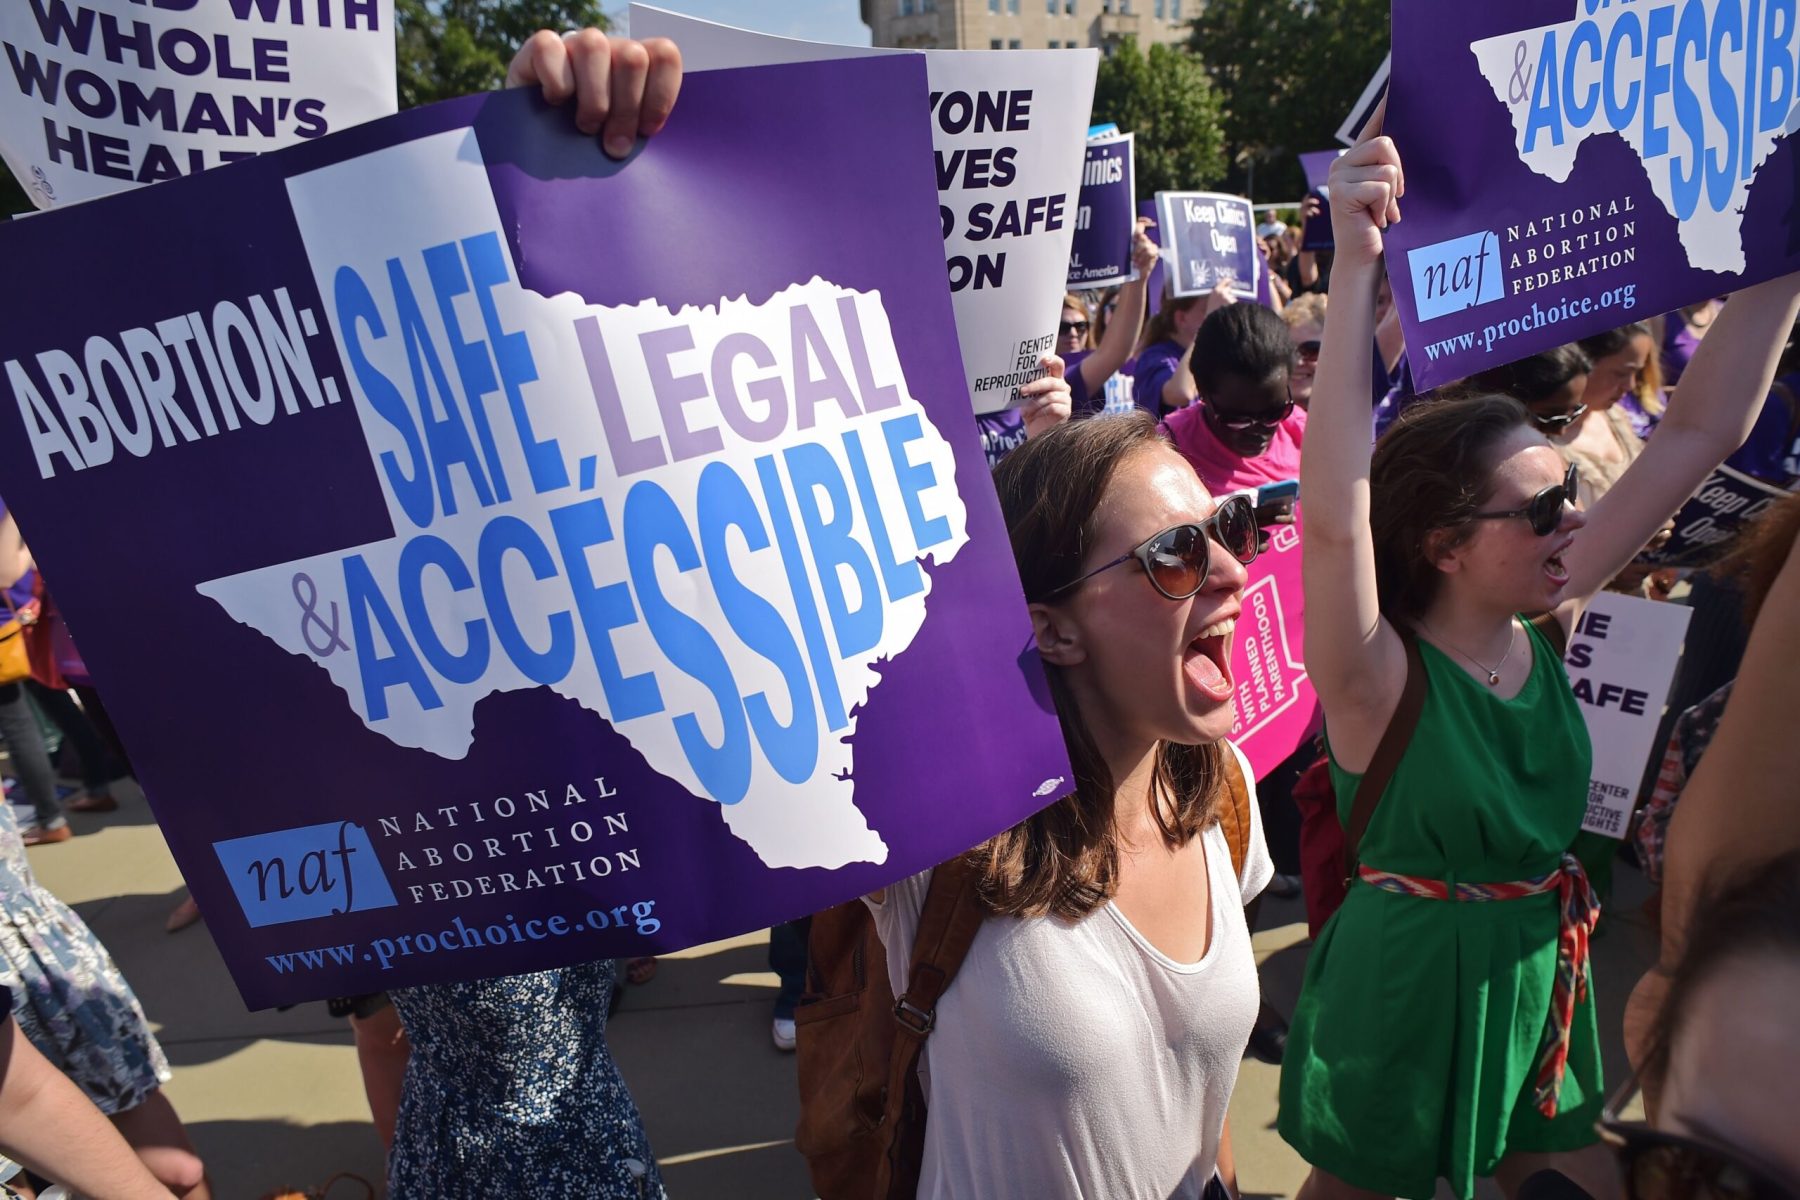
(519, 571)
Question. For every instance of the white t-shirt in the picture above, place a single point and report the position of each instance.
(1073, 1059)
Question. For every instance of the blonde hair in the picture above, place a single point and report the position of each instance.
(1305, 310)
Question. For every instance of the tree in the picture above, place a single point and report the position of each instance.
(1289, 71)
(451, 48)
(1165, 98)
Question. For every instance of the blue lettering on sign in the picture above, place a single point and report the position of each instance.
(1458, 274)
(298, 874)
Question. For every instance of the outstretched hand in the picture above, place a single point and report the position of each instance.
(1366, 185)
(623, 89)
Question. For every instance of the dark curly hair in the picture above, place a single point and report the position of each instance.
(1246, 340)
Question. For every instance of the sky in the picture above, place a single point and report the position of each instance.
(815, 20)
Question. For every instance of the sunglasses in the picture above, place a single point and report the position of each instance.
(1065, 328)
(1240, 424)
(1561, 420)
(1308, 351)
(1545, 509)
(1658, 1165)
(1178, 558)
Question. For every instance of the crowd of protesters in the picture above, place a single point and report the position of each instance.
(1089, 1041)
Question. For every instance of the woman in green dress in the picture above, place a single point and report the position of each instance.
(1446, 1029)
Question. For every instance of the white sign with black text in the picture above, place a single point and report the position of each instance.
(1621, 662)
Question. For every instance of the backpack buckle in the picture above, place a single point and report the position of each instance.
(915, 1018)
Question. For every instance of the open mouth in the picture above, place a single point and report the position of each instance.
(1554, 568)
(1207, 660)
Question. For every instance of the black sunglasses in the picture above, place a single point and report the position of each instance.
(1178, 558)
(1240, 424)
(1561, 420)
(1308, 351)
(1065, 328)
(1659, 1165)
(1545, 509)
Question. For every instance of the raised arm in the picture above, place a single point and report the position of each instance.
(1709, 416)
(1353, 655)
(1736, 808)
(1128, 316)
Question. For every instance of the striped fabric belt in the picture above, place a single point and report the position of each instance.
(1579, 911)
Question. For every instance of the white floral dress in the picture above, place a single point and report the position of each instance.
(67, 995)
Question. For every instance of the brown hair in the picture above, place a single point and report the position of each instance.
(1071, 300)
(1064, 862)
(1760, 552)
(1430, 472)
(1754, 913)
(1161, 325)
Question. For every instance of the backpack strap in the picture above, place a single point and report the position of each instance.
(948, 921)
(1547, 624)
(1234, 814)
(1388, 752)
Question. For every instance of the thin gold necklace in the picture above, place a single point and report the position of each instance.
(1493, 672)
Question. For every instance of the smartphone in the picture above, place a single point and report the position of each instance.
(1276, 493)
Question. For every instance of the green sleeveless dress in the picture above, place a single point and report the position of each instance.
(1415, 1039)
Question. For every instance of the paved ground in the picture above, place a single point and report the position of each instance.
(275, 1098)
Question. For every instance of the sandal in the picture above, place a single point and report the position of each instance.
(320, 1192)
(94, 802)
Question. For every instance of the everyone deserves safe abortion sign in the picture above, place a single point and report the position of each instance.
(491, 566)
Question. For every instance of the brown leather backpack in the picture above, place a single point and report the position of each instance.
(862, 1109)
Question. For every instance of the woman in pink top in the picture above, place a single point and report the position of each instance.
(1245, 430)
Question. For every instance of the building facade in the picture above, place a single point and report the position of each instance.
(1026, 24)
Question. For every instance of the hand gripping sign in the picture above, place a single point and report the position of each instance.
(556, 595)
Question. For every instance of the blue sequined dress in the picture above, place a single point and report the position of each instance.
(511, 1091)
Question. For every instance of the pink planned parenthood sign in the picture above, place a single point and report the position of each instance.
(1277, 708)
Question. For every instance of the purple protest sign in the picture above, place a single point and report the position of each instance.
(1209, 239)
(1277, 708)
(1710, 519)
(1317, 166)
(1315, 233)
(1100, 254)
(1157, 288)
(1570, 169)
(520, 572)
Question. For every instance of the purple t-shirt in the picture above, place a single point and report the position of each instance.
(1001, 433)
(1083, 403)
(1155, 367)
(1679, 344)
